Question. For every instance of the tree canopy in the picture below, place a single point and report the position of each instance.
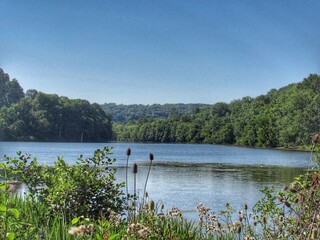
(281, 118)
(10, 90)
(48, 117)
(125, 113)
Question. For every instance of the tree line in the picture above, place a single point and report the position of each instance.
(286, 117)
(36, 116)
(126, 113)
(281, 118)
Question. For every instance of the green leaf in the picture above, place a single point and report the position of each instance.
(3, 186)
(10, 236)
(14, 212)
(113, 236)
(75, 220)
(98, 237)
(3, 208)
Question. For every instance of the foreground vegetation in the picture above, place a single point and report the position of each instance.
(83, 201)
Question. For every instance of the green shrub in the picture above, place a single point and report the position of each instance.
(86, 188)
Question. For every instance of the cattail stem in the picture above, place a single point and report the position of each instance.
(127, 166)
(151, 157)
(127, 183)
(134, 201)
(135, 170)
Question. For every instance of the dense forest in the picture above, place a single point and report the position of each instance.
(281, 118)
(126, 113)
(286, 117)
(36, 116)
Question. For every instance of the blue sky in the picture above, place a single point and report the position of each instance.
(159, 51)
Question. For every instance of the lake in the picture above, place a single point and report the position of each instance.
(184, 175)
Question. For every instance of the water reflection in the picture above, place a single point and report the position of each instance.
(186, 185)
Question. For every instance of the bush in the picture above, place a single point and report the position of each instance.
(86, 188)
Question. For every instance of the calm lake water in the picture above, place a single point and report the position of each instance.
(184, 175)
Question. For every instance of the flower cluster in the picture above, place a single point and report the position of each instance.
(138, 231)
(203, 212)
(174, 212)
(114, 217)
(208, 219)
(81, 230)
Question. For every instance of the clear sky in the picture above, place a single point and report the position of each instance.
(164, 51)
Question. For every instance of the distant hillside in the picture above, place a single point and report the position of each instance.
(287, 117)
(126, 113)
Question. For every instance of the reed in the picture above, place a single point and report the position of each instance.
(151, 158)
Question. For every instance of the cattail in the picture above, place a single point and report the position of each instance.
(280, 199)
(128, 152)
(135, 171)
(151, 205)
(264, 220)
(239, 229)
(245, 207)
(151, 157)
(315, 138)
(287, 204)
(296, 200)
(127, 166)
(161, 206)
(135, 168)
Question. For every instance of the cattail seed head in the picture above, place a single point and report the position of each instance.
(287, 204)
(135, 168)
(151, 205)
(245, 207)
(151, 157)
(296, 200)
(315, 138)
(128, 152)
(161, 206)
(239, 229)
(264, 220)
(280, 199)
